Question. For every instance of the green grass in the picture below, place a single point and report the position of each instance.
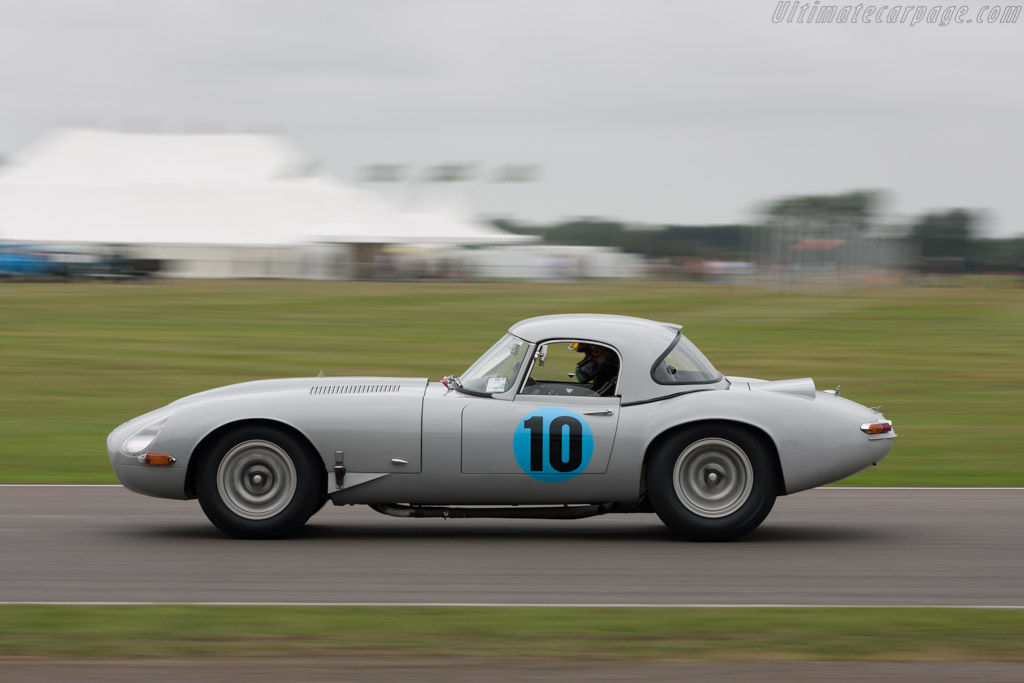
(78, 359)
(668, 634)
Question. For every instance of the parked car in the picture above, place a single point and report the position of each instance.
(20, 261)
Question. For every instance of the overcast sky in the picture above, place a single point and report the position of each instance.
(688, 112)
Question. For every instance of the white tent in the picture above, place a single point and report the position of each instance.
(228, 191)
(438, 227)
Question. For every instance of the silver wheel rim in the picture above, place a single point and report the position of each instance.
(256, 479)
(713, 477)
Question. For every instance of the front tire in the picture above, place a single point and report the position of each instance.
(712, 483)
(258, 482)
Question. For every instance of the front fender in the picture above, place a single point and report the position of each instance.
(370, 429)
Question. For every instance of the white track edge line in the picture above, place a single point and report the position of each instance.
(818, 488)
(917, 488)
(625, 605)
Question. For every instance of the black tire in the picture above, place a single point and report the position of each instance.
(259, 482)
(700, 487)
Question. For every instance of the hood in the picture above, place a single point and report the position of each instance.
(311, 385)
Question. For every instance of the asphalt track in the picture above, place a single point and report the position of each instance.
(956, 547)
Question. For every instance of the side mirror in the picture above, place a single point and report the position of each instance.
(542, 355)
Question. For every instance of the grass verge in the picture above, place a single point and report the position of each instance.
(78, 359)
(652, 634)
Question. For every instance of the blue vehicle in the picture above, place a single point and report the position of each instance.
(62, 262)
(25, 260)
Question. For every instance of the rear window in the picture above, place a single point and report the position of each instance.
(683, 363)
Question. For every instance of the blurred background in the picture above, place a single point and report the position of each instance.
(697, 141)
(824, 199)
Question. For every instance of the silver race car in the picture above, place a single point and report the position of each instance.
(566, 416)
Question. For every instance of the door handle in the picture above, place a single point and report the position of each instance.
(601, 412)
(399, 461)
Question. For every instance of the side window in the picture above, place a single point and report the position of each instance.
(570, 368)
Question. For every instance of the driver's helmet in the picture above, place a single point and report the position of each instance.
(596, 360)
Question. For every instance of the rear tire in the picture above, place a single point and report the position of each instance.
(258, 482)
(712, 483)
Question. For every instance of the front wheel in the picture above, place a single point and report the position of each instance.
(712, 483)
(258, 482)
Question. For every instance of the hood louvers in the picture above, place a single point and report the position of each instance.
(354, 389)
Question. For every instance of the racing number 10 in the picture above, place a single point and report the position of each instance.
(555, 456)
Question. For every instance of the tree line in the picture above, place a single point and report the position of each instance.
(951, 235)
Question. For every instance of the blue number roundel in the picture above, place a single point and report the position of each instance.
(553, 444)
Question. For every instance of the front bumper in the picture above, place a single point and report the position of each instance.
(158, 481)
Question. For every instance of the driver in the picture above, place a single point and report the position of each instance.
(599, 368)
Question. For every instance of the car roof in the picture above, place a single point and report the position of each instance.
(596, 326)
(640, 343)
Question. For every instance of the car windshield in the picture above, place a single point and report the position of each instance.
(683, 363)
(494, 372)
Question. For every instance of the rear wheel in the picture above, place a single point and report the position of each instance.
(712, 483)
(258, 482)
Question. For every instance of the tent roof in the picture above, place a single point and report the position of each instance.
(95, 157)
(107, 187)
(418, 228)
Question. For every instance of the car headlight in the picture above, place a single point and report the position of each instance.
(142, 438)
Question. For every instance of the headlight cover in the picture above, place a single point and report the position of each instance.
(140, 440)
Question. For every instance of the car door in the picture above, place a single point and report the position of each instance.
(555, 429)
